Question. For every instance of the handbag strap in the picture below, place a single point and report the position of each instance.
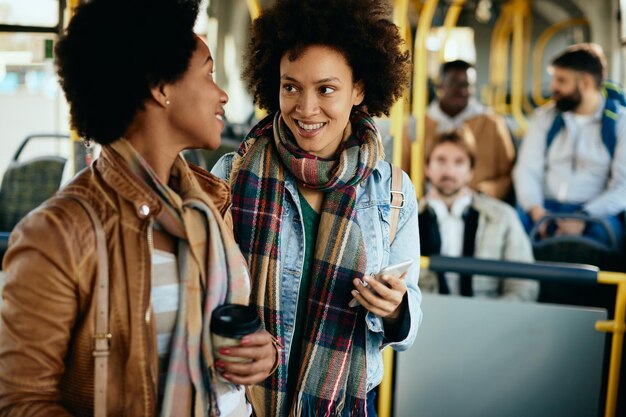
(101, 337)
(397, 201)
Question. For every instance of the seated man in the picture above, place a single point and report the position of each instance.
(455, 108)
(573, 158)
(456, 221)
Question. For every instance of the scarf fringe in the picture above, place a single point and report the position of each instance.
(310, 406)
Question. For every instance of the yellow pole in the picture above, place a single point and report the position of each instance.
(424, 262)
(520, 10)
(502, 56)
(75, 139)
(419, 93)
(540, 46)
(617, 327)
(452, 16)
(498, 58)
(401, 19)
(254, 8)
(528, 25)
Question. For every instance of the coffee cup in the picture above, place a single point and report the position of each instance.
(229, 323)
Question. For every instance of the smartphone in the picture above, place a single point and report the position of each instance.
(395, 270)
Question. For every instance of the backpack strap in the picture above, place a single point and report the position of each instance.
(397, 201)
(608, 124)
(557, 124)
(101, 337)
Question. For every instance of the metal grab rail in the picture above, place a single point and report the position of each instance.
(550, 272)
(397, 119)
(401, 19)
(452, 17)
(419, 93)
(540, 46)
(521, 15)
(540, 271)
(254, 8)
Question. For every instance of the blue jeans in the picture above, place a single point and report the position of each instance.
(593, 230)
(371, 403)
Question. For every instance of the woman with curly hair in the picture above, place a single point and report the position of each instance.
(311, 204)
(140, 83)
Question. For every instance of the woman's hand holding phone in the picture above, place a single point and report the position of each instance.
(382, 295)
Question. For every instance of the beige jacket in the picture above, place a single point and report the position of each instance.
(494, 153)
(47, 321)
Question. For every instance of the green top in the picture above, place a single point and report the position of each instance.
(311, 220)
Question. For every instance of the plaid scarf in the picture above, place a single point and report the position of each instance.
(332, 374)
(212, 272)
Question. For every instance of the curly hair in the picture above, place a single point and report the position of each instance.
(113, 52)
(358, 29)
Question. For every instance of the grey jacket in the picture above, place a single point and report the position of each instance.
(499, 236)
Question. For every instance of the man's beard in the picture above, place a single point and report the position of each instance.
(449, 191)
(570, 102)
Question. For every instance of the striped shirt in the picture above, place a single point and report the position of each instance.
(165, 298)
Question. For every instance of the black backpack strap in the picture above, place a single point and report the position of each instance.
(469, 243)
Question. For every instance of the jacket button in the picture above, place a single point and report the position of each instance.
(144, 211)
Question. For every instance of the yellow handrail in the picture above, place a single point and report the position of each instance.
(401, 19)
(521, 9)
(74, 137)
(540, 46)
(420, 93)
(498, 58)
(528, 25)
(617, 327)
(452, 17)
(254, 8)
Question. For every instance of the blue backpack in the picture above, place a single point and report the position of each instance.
(614, 95)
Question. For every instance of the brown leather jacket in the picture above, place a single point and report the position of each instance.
(46, 363)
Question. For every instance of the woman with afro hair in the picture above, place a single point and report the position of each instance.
(312, 204)
(140, 83)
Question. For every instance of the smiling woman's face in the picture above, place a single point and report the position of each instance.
(197, 102)
(317, 94)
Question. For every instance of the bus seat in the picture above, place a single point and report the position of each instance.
(26, 185)
(582, 250)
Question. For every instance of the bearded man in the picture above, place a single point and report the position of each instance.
(573, 158)
(456, 220)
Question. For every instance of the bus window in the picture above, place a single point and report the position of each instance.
(30, 99)
(42, 13)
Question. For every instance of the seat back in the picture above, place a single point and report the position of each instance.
(26, 185)
(578, 249)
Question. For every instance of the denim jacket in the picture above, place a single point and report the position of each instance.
(373, 215)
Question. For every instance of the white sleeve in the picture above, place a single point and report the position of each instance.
(529, 171)
(613, 200)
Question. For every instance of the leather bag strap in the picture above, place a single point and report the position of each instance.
(397, 201)
(101, 337)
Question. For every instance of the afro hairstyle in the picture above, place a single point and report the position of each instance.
(113, 52)
(359, 29)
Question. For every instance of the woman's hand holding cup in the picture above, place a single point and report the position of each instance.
(244, 353)
(260, 353)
